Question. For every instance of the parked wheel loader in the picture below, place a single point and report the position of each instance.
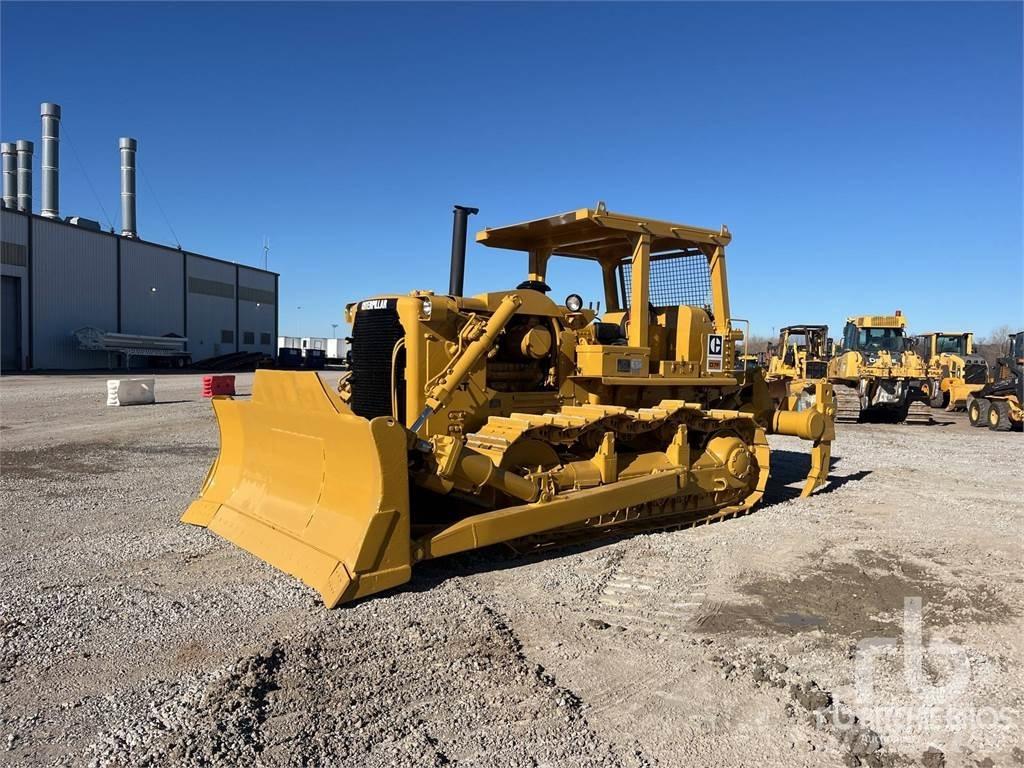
(954, 370)
(999, 405)
(876, 373)
(468, 421)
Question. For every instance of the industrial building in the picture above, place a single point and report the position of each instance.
(61, 275)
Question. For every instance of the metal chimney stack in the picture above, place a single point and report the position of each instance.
(25, 149)
(10, 157)
(460, 220)
(51, 159)
(128, 147)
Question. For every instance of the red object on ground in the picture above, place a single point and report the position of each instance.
(218, 385)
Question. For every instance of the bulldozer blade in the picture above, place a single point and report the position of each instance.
(306, 485)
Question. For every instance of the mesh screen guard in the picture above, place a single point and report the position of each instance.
(682, 277)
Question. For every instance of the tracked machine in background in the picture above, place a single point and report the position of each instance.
(751, 360)
(954, 371)
(798, 361)
(876, 373)
(508, 417)
(1000, 404)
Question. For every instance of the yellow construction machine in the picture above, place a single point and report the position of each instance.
(876, 373)
(798, 361)
(748, 360)
(508, 417)
(954, 370)
(999, 405)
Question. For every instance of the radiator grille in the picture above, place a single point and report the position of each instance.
(816, 369)
(374, 335)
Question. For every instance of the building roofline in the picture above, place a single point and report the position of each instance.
(143, 241)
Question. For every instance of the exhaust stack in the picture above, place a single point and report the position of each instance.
(128, 147)
(459, 223)
(10, 160)
(50, 114)
(25, 150)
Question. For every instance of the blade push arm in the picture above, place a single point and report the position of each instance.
(481, 338)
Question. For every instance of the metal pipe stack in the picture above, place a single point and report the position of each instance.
(50, 114)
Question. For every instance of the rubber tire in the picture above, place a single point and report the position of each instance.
(938, 397)
(999, 416)
(977, 412)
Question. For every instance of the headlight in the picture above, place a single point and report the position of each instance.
(428, 308)
(574, 302)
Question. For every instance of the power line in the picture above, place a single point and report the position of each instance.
(152, 191)
(88, 181)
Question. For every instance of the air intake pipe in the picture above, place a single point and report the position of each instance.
(25, 150)
(50, 114)
(10, 158)
(128, 147)
(458, 273)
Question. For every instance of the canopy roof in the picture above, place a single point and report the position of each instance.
(596, 233)
(803, 328)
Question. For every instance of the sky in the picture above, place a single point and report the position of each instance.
(867, 157)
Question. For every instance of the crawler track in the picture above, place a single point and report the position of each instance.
(918, 413)
(847, 404)
(573, 430)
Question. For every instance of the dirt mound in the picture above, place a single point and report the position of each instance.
(454, 688)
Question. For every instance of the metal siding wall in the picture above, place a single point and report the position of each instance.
(209, 315)
(144, 267)
(257, 317)
(14, 229)
(74, 284)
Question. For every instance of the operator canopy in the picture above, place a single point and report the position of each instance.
(599, 234)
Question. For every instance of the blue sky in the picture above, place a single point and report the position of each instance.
(866, 156)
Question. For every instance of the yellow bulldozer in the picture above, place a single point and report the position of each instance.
(954, 371)
(876, 373)
(468, 421)
(749, 360)
(798, 361)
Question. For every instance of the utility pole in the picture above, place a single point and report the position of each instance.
(334, 330)
(266, 251)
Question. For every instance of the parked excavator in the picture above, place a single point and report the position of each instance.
(954, 370)
(877, 374)
(999, 405)
(468, 421)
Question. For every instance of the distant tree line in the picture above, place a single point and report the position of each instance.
(757, 343)
(995, 345)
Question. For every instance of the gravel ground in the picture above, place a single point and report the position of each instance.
(784, 638)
